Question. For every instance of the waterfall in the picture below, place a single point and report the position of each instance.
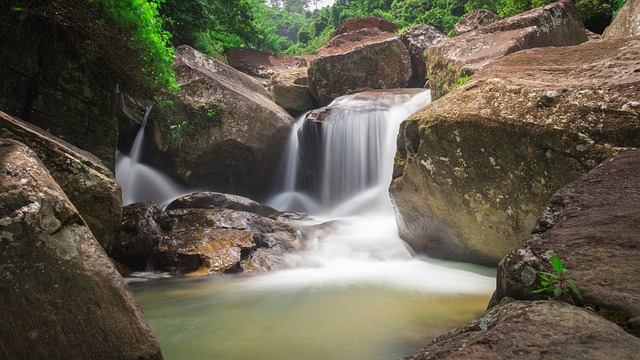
(140, 182)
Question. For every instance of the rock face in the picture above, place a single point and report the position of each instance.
(62, 297)
(204, 233)
(262, 64)
(626, 23)
(475, 169)
(88, 184)
(557, 24)
(43, 84)
(417, 39)
(534, 330)
(290, 90)
(227, 133)
(474, 20)
(367, 22)
(592, 225)
(361, 60)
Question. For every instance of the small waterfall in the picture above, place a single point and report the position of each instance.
(340, 158)
(140, 182)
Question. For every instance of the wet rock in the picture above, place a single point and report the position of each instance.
(417, 39)
(213, 200)
(290, 89)
(476, 168)
(205, 241)
(592, 225)
(534, 330)
(557, 24)
(474, 20)
(356, 61)
(89, 185)
(63, 298)
(626, 23)
(367, 22)
(262, 64)
(222, 131)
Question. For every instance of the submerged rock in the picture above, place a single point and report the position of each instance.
(361, 60)
(557, 24)
(222, 131)
(534, 330)
(592, 225)
(85, 180)
(475, 168)
(62, 297)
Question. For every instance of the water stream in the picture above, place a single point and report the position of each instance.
(355, 292)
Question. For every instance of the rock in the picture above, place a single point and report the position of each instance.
(361, 60)
(557, 24)
(143, 226)
(474, 20)
(44, 84)
(262, 64)
(417, 39)
(228, 134)
(205, 241)
(626, 23)
(85, 180)
(475, 168)
(592, 225)
(213, 200)
(366, 22)
(290, 90)
(63, 298)
(534, 330)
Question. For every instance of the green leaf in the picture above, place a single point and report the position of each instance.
(536, 291)
(575, 289)
(544, 283)
(557, 264)
(557, 292)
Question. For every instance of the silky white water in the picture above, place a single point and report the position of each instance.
(355, 291)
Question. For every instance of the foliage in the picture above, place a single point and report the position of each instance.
(558, 283)
(178, 130)
(462, 80)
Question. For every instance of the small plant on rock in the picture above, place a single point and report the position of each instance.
(558, 283)
(178, 130)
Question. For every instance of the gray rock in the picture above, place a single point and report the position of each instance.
(417, 39)
(626, 23)
(474, 20)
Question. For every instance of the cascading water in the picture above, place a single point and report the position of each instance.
(356, 291)
(140, 182)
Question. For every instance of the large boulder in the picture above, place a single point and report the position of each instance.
(85, 180)
(475, 19)
(222, 131)
(557, 24)
(534, 330)
(290, 90)
(262, 64)
(626, 23)
(417, 39)
(62, 297)
(592, 225)
(475, 168)
(366, 22)
(356, 61)
(212, 200)
(44, 83)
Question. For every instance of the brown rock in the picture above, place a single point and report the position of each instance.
(367, 22)
(417, 39)
(592, 225)
(557, 24)
(290, 90)
(213, 200)
(475, 168)
(233, 133)
(63, 298)
(626, 23)
(474, 20)
(262, 64)
(534, 330)
(85, 180)
(361, 60)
